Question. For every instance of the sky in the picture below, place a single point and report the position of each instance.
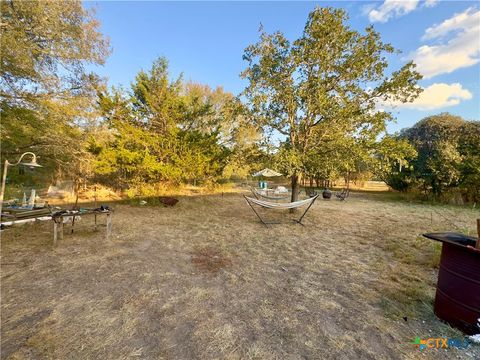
(205, 42)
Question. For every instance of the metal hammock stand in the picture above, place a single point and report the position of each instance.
(280, 206)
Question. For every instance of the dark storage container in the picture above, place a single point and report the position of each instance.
(327, 194)
(457, 300)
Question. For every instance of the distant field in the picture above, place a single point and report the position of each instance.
(205, 280)
(370, 186)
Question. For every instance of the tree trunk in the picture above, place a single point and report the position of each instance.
(295, 187)
(311, 182)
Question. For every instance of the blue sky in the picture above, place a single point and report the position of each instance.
(205, 42)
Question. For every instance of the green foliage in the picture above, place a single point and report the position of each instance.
(47, 93)
(392, 162)
(448, 150)
(311, 110)
(163, 131)
(320, 92)
(469, 148)
(45, 45)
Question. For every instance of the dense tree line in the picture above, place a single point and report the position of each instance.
(161, 130)
(307, 111)
(167, 130)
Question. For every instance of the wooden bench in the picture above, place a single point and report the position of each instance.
(58, 220)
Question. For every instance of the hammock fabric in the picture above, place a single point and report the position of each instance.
(270, 205)
(257, 194)
(280, 206)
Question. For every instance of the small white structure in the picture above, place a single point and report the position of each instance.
(267, 173)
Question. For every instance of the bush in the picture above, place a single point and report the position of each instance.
(447, 167)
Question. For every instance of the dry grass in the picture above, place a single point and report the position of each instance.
(205, 280)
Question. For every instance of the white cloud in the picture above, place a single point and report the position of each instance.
(458, 45)
(392, 8)
(469, 19)
(366, 8)
(435, 96)
(430, 3)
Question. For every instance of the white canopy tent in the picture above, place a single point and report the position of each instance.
(267, 173)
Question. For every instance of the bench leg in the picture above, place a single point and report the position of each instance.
(109, 225)
(60, 229)
(57, 231)
(55, 228)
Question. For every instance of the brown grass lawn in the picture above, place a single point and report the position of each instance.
(205, 280)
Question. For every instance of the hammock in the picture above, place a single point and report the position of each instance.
(257, 194)
(280, 206)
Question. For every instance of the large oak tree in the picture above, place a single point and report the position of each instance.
(323, 86)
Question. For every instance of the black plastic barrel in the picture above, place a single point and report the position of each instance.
(457, 300)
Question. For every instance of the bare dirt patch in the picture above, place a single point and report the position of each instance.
(210, 260)
(205, 280)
